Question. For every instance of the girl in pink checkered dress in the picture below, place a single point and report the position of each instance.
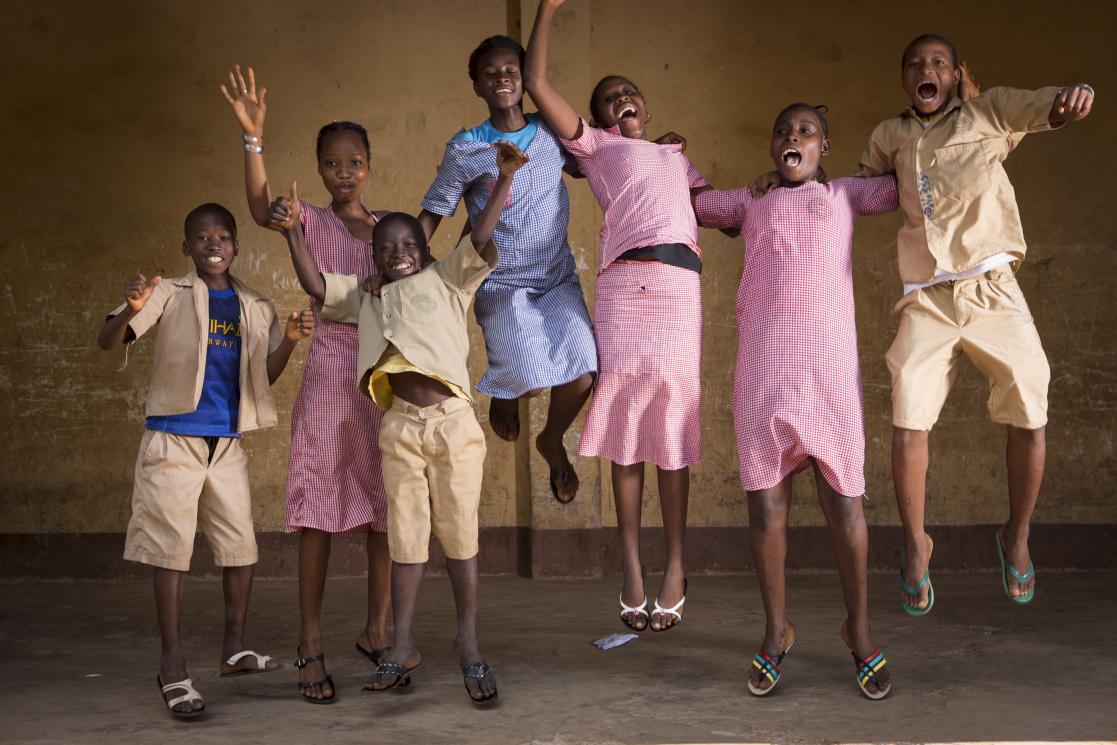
(334, 483)
(647, 315)
(797, 387)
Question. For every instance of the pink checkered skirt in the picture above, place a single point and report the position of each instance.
(646, 406)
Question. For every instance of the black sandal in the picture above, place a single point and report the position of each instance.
(403, 676)
(478, 671)
(302, 662)
(376, 655)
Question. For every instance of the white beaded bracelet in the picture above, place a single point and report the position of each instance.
(250, 138)
(253, 148)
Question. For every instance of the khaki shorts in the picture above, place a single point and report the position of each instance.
(985, 318)
(432, 459)
(179, 488)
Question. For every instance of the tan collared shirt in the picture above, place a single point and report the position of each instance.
(958, 205)
(423, 316)
(181, 308)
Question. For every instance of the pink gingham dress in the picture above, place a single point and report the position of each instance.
(646, 405)
(797, 386)
(333, 475)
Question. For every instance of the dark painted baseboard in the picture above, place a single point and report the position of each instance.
(572, 553)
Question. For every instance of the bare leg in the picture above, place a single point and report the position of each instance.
(237, 585)
(406, 579)
(314, 558)
(566, 401)
(674, 495)
(504, 418)
(375, 635)
(1025, 455)
(168, 609)
(768, 510)
(909, 474)
(463, 578)
(628, 490)
(849, 537)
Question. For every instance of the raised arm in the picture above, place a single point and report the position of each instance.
(509, 159)
(560, 115)
(1072, 104)
(249, 109)
(283, 215)
(430, 221)
(299, 326)
(137, 291)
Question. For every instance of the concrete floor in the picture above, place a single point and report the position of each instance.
(78, 662)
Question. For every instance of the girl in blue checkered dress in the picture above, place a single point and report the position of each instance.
(537, 330)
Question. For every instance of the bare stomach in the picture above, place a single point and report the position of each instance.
(416, 388)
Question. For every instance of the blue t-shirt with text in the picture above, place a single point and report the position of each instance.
(216, 415)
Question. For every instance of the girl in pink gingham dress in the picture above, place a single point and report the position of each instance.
(797, 387)
(334, 483)
(646, 405)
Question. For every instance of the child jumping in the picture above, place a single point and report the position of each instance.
(797, 386)
(958, 250)
(334, 484)
(531, 310)
(412, 364)
(218, 350)
(646, 405)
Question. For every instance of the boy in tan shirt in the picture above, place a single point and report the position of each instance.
(217, 353)
(411, 361)
(959, 246)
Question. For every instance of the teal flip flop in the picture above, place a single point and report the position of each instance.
(1020, 578)
(910, 609)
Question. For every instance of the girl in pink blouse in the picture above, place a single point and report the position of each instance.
(647, 316)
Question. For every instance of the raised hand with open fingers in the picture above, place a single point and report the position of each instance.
(138, 289)
(509, 158)
(248, 106)
(968, 87)
(300, 325)
(283, 214)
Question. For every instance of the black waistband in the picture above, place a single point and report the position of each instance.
(675, 254)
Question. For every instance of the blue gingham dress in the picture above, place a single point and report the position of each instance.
(537, 330)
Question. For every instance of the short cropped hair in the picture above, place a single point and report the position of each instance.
(209, 209)
(930, 37)
(488, 45)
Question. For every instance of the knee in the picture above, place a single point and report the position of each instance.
(765, 515)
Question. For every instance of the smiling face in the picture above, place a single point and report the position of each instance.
(212, 244)
(618, 102)
(343, 166)
(929, 76)
(399, 247)
(798, 144)
(499, 80)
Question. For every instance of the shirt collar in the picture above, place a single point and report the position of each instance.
(909, 112)
(244, 292)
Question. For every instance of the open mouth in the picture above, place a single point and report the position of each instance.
(628, 111)
(927, 92)
(792, 157)
(345, 186)
(214, 259)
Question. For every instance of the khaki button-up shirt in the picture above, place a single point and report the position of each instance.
(181, 308)
(423, 315)
(958, 205)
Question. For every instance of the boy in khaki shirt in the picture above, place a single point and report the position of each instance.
(958, 248)
(217, 353)
(411, 361)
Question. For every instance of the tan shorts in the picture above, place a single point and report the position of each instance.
(985, 318)
(177, 489)
(433, 459)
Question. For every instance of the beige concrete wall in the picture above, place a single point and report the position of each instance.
(113, 129)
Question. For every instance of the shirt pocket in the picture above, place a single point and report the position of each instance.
(964, 170)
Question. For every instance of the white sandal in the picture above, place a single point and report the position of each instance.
(229, 666)
(190, 697)
(641, 610)
(673, 610)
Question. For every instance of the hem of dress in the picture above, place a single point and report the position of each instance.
(631, 460)
(543, 384)
(795, 470)
(369, 527)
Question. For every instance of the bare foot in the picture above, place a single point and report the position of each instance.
(563, 477)
(918, 559)
(504, 418)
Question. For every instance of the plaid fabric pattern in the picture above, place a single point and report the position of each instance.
(531, 310)
(333, 474)
(646, 406)
(643, 189)
(797, 386)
